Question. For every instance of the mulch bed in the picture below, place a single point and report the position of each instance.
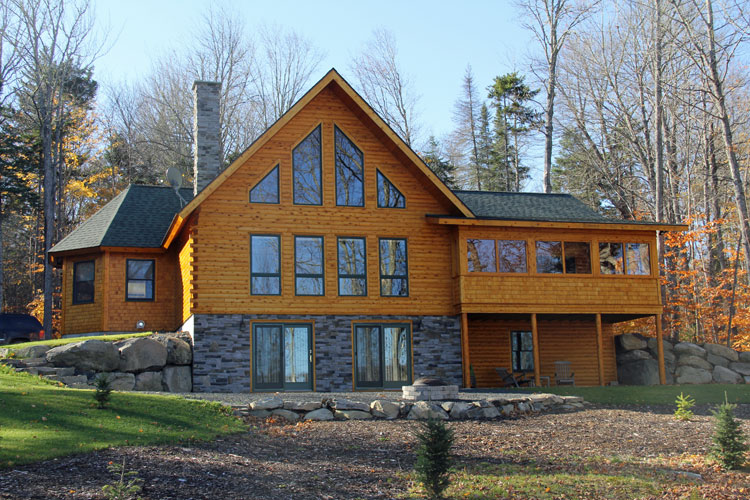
(371, 459)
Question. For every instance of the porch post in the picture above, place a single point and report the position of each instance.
(465, 360)
(660, 350)
(535, 341)
(600, 348)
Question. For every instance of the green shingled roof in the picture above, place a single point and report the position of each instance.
(137, 217)
(530, 206)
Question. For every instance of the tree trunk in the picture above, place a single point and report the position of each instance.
(549, 115)
(49, 220)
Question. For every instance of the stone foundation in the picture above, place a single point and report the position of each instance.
(222, 349)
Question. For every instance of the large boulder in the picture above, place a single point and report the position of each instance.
(460, 410)
(631, 342)
(148, 381)
(726, 376)
(668, 346)
(301, 405)
(690, 349)
(641, 372)
(688, 360)
(722, 350)
(423, 410)
(141, 354)
(630, 356)
(89, 355)
(744, 357)
(741, 368)
(352, 415)
(691, 375)
(177, 379)
(483, 413)
(287, 415)
(384, 409)
(270, 403)
(319, 415)
(346, 404)
(178, 351)
(717, 360)
(669, 357)
(118, 381)
(34, 351)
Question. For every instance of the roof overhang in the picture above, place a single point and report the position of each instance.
(447, 220)
(57, 257)
(342, 89)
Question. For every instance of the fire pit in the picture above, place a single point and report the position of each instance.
(429, 389)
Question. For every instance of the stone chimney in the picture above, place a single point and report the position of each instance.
(206, 134)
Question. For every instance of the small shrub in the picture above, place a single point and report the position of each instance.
(433, 456)
(684, 405)
(729, 441)
(122, 489)
(103, 390)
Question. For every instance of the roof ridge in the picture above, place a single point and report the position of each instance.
(476, 191)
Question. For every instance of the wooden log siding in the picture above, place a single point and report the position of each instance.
(221, 254)
(185, 283)
(83, 318)
(561, 338)
(555, 293)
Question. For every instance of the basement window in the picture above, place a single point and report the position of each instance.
(140, 279)
(83, 282)
(522, 351)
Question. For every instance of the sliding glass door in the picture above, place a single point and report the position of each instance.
(282, 357)
(382, 356)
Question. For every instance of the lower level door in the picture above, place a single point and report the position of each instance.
(282, 357)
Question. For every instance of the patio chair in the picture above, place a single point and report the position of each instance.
(564, 374)
(507, 379)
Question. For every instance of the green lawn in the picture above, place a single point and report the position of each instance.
(70, 340)
(652, 395)
(40, 420)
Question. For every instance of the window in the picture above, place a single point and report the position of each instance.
(282, 356)
(349, 172)
(511, 256)
(140, 279)
(306, 170)
(388, 195)
(382, 355)
(522, 351)
(549, 257)
(481, 256)
(265, 266)
(394, 275)
(577, 257)
(308, 265)
(611, 258)
(83, 282)
(637, 258)
(267, 190)
(352, 266)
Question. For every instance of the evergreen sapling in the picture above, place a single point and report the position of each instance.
(434, 456)
(103, 390)
(729, 441)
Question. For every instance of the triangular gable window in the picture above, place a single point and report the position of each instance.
(388, 195)
(267, 190)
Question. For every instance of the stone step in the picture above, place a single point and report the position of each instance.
(55, 371)
(35, 362)
(73, 380)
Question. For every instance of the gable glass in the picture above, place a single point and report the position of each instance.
(306, 161)
(267, 190)
(388, 195)
(349, 172)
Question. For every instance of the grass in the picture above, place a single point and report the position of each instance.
(652, 395)
(485, 481)
(40, 420)
(70, 340)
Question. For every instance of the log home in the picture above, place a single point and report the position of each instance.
(329, 257)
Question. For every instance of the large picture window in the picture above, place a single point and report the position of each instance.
(140, 279)
(352, 264)
(522, 351)
(382, 355)
(265, 265)
(556, 257)
(625, 258)
(308, 265)
(306, 161)
(349, 172)
(394, 272)
(83, 282)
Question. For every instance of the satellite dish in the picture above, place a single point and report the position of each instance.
(174, 177)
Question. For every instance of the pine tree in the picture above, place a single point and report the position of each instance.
(434, 456)
(441, 167)
(729, 446)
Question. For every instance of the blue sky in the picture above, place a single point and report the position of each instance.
(436, 39)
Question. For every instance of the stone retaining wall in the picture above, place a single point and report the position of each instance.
(160, 362)
(685, 362)
(502, 406)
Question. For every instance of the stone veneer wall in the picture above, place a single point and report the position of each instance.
(221, 344)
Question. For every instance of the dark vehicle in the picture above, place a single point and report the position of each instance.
(15, 328)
